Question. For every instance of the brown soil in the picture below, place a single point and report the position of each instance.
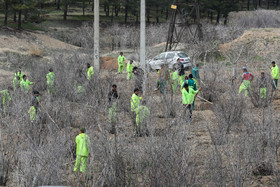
(109, 63)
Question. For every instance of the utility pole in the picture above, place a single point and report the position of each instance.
(96, 36)
(143, 36)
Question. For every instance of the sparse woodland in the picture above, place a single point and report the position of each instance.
(234, 142)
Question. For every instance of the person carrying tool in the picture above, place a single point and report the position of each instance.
(83, 146)
(195, 72)
(129, 69)
(247, 78)
(50, 81)
(142, 115)
(35, 103)
(5, 97)
(262, 83)
(188, 95)
(175, 80)
(113, 96)
(275, 75)
(90, 71)
(121, 61)
(24, 84)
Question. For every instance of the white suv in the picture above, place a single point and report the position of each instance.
(169, 58)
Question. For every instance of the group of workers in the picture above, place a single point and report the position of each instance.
(248, 77)
(188, 85)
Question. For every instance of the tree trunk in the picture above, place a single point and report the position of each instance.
(148, 15)
(126, 12)
(112, 14)
(211, 17)
(157, 18)
(15, 16)
(218, 17)
(6, 13)
(248, 5)
(58, 5)
(166, 16)
(83, 7)
(277, 3)
(65, 10)
(19, 20)
(260, 3)
(267, 5)
(92, 7)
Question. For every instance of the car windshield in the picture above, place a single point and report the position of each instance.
(182, 55)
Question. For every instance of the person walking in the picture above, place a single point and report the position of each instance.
(19, 73)
(274, 74)
(188, 95)
(83, 146)
(134, 104)
(50, 81)
(113, 96)
(129, 69)
(16, 83)
(247, 78)
(121, 61)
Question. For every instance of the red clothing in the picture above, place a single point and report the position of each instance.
(247, 76)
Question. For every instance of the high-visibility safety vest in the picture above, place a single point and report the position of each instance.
(50, 78)
(275, 72)
(129, 68)
(90, 72)
(121, 60)
(175, 76)
(20, 75)
(24, 85)
(188, 97)
(135, 102)
(83, 143)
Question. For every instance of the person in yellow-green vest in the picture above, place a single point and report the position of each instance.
(121, 61)
(247, 78)
(35, 106)
(188, 95)
(129, 69)
(50, 81)
(192, 83)
(90, 71)
(134, 104)
(275, 75)
(5, 97)
(16, 83)
(24, 84)
(82, 150)
(142, 115)
(19, 73)
(175, 80)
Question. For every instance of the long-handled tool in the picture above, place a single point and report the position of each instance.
(204, 100)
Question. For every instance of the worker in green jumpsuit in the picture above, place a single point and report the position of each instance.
(129, 69)
(275, 75)
(50, 81)
(188, 95)
(83, 146)
(134, 104)
(35, 106)
(5, 97)
(24, 84)
(121, 61)
(19, 74)
(90, 71)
